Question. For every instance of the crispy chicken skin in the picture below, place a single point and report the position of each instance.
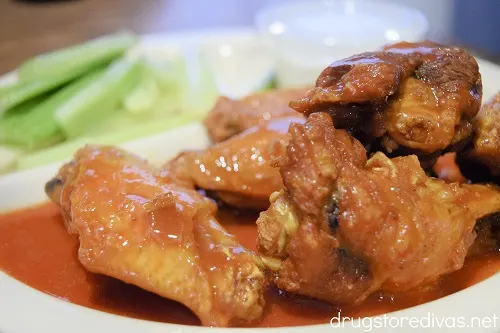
(147, 228)
(230, 117)
(362, 78)
(487, 135)
(345, 226)
(409, 98)
(238, 171)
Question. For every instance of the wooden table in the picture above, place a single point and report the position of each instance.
(30, 28)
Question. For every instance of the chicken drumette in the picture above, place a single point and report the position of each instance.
(479, 162)
(248, 134)
(345, 226)
(153, 230)
(487, 135)
(230, 117)
(238, 171)
(409, 98)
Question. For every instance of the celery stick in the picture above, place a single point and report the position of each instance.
(78, 58)
(8, 158)
(23, 108)
(168, 71)
(4, 87)
(66, 150)
(36, 127)
(199, 91)
(47, 72)
(143, 97)
(118, 120)
(23, 91)
(270, 85)
(98, 99)
(170, 75)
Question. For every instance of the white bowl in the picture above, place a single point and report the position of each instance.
(307, 36)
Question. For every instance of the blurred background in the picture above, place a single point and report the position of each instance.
(31, 27)
(120, 87)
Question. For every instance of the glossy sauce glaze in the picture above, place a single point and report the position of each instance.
(36, 249)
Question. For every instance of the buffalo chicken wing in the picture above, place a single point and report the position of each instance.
(487, 135)
(238, 171)
(345, 227)
(230, 117)
(152, 230)
(409, 98)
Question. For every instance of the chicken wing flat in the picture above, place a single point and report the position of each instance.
(238, 171)
(410, 97)
(143, 228)
(230, 117)
(487, 135)
(345, 226)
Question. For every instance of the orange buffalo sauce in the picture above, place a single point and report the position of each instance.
(36, 249)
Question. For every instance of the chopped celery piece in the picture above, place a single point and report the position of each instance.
(117, 121)
(66, 150)
(270, 85)
(8, 158)
(199, 91)
(169, 72)
(23, 108)
(23, 91)
(49, 71)
(143, 97)
(78, 58)
(97, 100)
(35, 127)
(161, 88)
(4, 87)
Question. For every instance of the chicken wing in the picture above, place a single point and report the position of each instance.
(410, 97)
(238, 171)
(147, 229)
(345, 226)
(230, 117)
(487, 135)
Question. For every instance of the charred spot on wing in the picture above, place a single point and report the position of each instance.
(332, 215)
(343, 253)
(487, 230)
(491, 221)
(476, 89)
(353, 264)
(52, 185)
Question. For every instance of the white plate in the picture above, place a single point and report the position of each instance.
(26, 310)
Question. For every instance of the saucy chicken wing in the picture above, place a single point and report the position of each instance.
(230, 117)
(487, 135)
(238, 171)
(149, 229)
(409, 98)
(345, 227)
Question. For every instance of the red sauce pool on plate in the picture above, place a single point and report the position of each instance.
(36, 249)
